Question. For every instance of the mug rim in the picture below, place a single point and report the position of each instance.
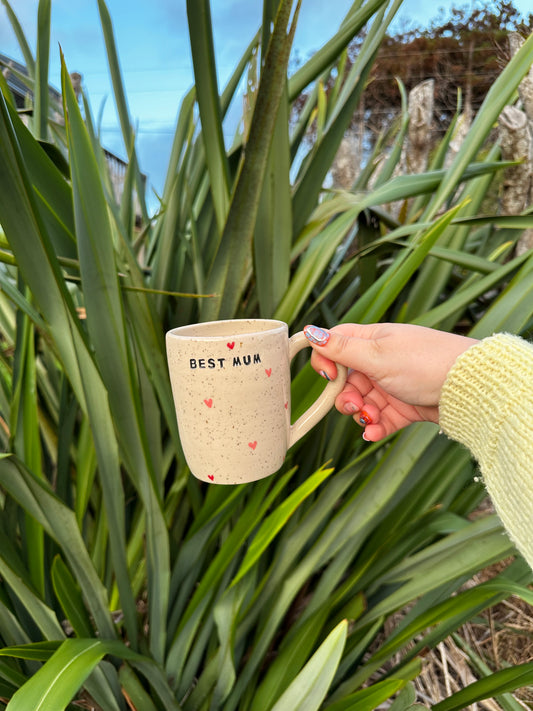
(193, 331)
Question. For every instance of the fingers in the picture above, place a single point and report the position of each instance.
(350, 401)
(359, 399)
(348, 344)
(368, 416)
(356, 401)
(372, 409)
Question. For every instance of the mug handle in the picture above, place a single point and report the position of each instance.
(323, 403)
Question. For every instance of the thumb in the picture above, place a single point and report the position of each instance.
(351, 345)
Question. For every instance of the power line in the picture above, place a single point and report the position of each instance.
(440, 75)
(163, 131)
(432, 52)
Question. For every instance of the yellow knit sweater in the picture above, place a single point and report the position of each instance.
(487, 405)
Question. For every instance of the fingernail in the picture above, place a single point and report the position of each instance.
(316, 335)
(350, 408)
(365, 418)
(365, 437)
(325, 375)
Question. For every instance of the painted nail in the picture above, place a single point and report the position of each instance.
(316, 335)
(325, 375)
(350, 408)
(365, 437)
(365, 418)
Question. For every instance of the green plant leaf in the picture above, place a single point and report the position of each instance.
(311, 181)
(273, 229)
(52, 192)
(368, 699)
(275, 522)
(498, 682)
(355, 20)
(499, 94)
(29, 61)
(25, 434)
(381, 295)
(69, 664)
(137, 694)
(466, 296)
(41, 651)
(23, 226)
(229, 271)
(203, 56)
(107, 328)
(513, 309)
(43, 616)
(120, 99)
(55, 684)
(310, 687)
(70, 599)
(44, 17)
(59, 522)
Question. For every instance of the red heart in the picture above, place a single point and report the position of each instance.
(210, 476)
(268, 372)
(231, 345)
(209, 402)
(252, 445)
(286, 405)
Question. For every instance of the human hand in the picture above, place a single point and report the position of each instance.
(397, 371)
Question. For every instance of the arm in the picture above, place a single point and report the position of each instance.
(487, 405)
(479, 392)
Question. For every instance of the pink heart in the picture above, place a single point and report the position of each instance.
(252, 445)
(268, 371)
(210, 476)
(209, 402)
(231, 345)
(286, 405)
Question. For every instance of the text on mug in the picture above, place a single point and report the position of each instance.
(221, 362)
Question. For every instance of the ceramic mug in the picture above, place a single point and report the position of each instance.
(231, 386)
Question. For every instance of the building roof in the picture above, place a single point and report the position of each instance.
(17, 85)
(117, 166)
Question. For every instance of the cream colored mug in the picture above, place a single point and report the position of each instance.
(231, 385)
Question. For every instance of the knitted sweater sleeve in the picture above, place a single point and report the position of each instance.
(487, 405)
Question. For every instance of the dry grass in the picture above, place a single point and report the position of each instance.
(500, 636)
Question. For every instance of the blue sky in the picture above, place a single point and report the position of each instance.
(153, 46)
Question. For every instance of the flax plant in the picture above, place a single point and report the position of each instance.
(124, 582)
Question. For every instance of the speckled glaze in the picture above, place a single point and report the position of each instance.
(231, 388)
